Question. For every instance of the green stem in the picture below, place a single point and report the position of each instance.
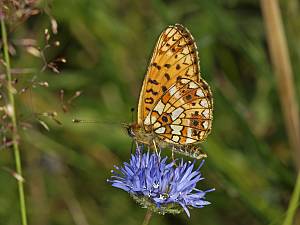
(12, 114)
(147, 217)
(294, 203)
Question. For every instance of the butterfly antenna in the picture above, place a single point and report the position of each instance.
(76, 120)
(84, 121)
(126, 126)
(132, 114)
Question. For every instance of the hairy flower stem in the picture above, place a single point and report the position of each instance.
(147, 217)
(12, 114)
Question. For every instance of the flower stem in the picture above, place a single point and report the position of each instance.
(147, 217)
(12, 114)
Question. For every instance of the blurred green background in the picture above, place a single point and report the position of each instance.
(107, 45)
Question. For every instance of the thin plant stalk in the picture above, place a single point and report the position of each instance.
(294, 203)
(147, 217)
(12, 114)
(282, 67)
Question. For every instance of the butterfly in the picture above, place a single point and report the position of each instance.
(175, 106)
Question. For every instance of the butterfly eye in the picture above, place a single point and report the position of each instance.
(130, 131)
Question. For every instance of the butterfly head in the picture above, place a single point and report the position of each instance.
(138, 133)
(131, 129)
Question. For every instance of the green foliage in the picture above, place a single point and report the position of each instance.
(107, 45)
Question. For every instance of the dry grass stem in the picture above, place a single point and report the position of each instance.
(282, 67)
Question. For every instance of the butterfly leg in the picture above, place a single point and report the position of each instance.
(137, 145)
(131, 148)
(139, 149)
(197, 152)
(148, 148)
(155, 147)
(202, 156)
(173, 156)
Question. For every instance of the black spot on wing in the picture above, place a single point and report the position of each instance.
(155, 82)
(152, 91)
(167, 76)
(165, 119)
(195, 122)
(149, 100)
(164, 88)
(156, 66)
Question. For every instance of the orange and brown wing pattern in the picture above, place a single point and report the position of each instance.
(175, 56)
(184, 113)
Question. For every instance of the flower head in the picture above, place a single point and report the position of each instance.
(160, 186)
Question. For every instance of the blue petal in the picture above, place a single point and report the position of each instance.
(185, 209)
(149, 175)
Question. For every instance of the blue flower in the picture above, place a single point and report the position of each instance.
(161, 186)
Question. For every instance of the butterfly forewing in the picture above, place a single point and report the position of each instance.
(175, 102)
(175, 55)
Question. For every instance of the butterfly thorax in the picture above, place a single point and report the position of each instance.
(144, 134)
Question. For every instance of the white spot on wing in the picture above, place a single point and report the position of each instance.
(193, 85)
(205, 113)
(173, 90)
(205, 124)
(176, 129)
(185, 51)
(168, 105)
(153, 119)
(147, 121)
(168, 30)
(177, 95)
(171, 32)
(200, 93)
(182, 115)
(184, 81)
(202, 134)
(160, 130)
(178, 121)
(159, 107)
(170, 109)
(189, 132)
(175, 138)
(189, 141)
(176, 113)
(204, 103)
(156, 125)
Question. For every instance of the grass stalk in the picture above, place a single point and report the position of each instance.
(282, 67)
(12, 114)
(294, 203)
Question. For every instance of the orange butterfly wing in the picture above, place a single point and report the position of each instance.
(175, 54)
(174, 61)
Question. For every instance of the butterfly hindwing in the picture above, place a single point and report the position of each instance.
(186, 114)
